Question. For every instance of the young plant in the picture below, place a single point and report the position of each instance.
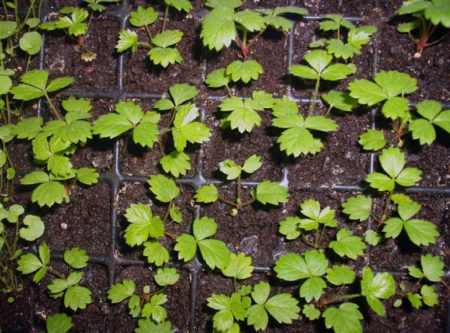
(253, 305)
(424, 19)
(149, 306)
(52, 144)
(266, 192)
(145, 228)
(162, 47)
(421, 293)
(224, 25)
(242, 114)
(297, 131)
(68, 287)
(29, 228)
(357, 37)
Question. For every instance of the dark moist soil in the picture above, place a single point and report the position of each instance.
(86, 220)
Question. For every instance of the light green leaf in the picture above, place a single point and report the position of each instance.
(296, 141)
(215, 253)
(31, 42)
(273, 193)
(429, 295)
(358, 208)
(340, 100)
(49, 193)
(344, 319)
(372, 140)
(244, 71)
(347, 245)
(217, 78)
(58, 323)
(76, 258)
(290, 227)
(167, 38)
(77, 297)
(218, 28)
(340, 275)
(176, 163)
(252, 164)
(433, 267)
(251, 20)
(163, 188)
(127, 40)
(372, 237)
(7, 29)
(34, 230)
(186, 246)
(155, 253)
(230, 168)
(421, 232)
(312, 288)
(143, 16)
(121, 291)
(367, 92)
(204, 227)
(207, 194)
(143, 224)
(166, 276)
(283, 308)
(239, 266)
(87, 176)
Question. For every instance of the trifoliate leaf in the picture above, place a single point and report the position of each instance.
(347, 245)
(244, 71)
(58, 323)
(372, 140)
(311, 209)
(273, 193)
(143, 16)
(433, 267)
(76, 258)
(207, 194)
(340, 274)
(358, 208)
(34, 228)
(77, 297)
(239, 266)
(163, 188)
(121, 291)
(166, 276)
(155, 253)
(344, 319)
(176, 163)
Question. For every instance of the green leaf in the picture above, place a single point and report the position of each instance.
(251, 20)
(344, 319)
(146, 133)
(433, 267)
(393, 227)
(338, 72)
(239, 266)
(165, 56)
(121, 291)
(87, 176)
(252, 164)
(166, 276)
(176, 163)
(204, 227)
(273, 193)
(59, 83)
(395, 108)
(180, 5)
(163, 188)
(340, 100)
(127, 40)
(347, 245)
(218, 28)
(339, 49)
(76, 258)
(408, 26)
(77, 297)
(395, 83)
(7, 29)
(5, 84)
(143, 16)
(358, 208)
(29, 263)
(244, 71)
(207, 194)
(312, 288)
(143, 224)
(410, 7)
(366, 92)
(429, 295)
(34, 230)
(295, 141)
(230, 168)
(311, 209)
(311, 312)
(243, 116)
(50, 193)
(31, 42)
(290, 227)
(215, 253)
(35, 177)
(44, 253)
(292, 266)
(261, 292)
(175, 214)
(58, 323)
(415, 300)
(372, 140)
(155, 253)
(60, 166)
(283, 308)
(319, 123)
(415, 272)
(438, 12)
(182, 93)
(217, 78)
(257, 317)
(186, 246)
(421, 232)
(423, 131)
(340, 275)
(167, 38)
(380, 181)
(304, 72)
(372, 238)
(380, 286)
(318, 60)
(360, 36)
(111, 125)
(223, 3)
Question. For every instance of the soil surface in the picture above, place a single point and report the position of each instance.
(94, 221)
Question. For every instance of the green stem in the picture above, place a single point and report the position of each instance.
(339, 298)
(328, 111)
(53, 109)
(248, 202)
(314, 97)
(166, 15)
(228, 202)
(56, 273)
(5, 9)
(16, 11)
(387, 208)
(238, 191)
(149, 33)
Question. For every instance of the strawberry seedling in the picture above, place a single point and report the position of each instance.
(224, 25)
(266, 192)
(426, 16)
